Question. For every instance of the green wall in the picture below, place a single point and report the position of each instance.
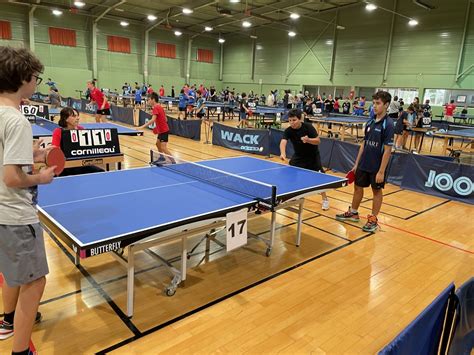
(71, 67)
(424, 56)
(421, 57)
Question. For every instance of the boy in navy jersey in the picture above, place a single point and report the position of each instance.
(371, 163)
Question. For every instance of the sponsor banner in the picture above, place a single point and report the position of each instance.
(122, 114)
(76, 104)
(88, 107)
(39, 97)
(256, 141)
(440, 178)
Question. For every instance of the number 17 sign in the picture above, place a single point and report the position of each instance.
(236, 229)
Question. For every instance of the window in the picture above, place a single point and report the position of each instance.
(205, 55)
(437, 97)
(118, 44)
(5, 30)
(62, 37)
(407, 94)
(165, 50)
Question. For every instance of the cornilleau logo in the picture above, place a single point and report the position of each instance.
(238, 138)
(444, 182)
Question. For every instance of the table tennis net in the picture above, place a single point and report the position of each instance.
(254, 189)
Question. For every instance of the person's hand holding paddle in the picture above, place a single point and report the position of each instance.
(47, 174)
(54, 160)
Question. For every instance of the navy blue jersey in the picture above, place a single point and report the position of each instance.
(377, 136)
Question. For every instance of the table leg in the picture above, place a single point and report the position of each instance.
(184, 257)
(300, 221)
(130, 280)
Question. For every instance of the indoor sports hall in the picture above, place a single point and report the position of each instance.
(237, 176)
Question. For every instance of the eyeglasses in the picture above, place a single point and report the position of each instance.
(38, 79)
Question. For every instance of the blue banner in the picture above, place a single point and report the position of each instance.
(463, 338)
(343, 156)
(122, 114)
(256, 141)
(90, 108)
(184, 128)
(275, 138)
(423, 335)
(439, 178)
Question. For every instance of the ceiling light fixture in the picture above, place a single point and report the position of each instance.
(178, 33)
(124, 23)
(79, 3)
(208, 28)
(246, 24)
(151, 17)
(234, 1)
(221, 40)
(294, 16)
(292, 34)
(57, 12)
(187, 11)
(370, 7)
(413, 22)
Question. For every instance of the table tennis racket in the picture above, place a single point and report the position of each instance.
(350, 177)
(55, 157)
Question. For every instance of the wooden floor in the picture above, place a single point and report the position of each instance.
(342, 291)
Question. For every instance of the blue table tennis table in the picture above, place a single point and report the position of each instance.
(450, 137)
(339, 125)
(189, 199)
(44, 128)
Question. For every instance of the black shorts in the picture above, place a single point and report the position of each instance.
(393, 115)
(200, 114)
(182, 109)
(308, 163)
(366, 179)
(105, 112)
(163, 137)
(398, 129)
(138, 102)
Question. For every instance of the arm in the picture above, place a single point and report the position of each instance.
(283, 149)
(15, 177)
(105, 101)
(361, 150)
(385, 159)
(313, 141)
(150, 122)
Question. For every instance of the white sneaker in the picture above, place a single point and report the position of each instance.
(325, 205)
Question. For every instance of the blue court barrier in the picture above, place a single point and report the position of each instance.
(439, 178)
(122, 114)
(463, 338)
(256, 141)
(423, 335)
(184, 128)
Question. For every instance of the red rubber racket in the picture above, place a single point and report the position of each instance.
(55, 157)
(350, 177)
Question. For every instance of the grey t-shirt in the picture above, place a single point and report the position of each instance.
(17, 206)
(54, 98)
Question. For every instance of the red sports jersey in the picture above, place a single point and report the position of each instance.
(161, 123)
(450, 109)
(97, 96)
(162, 92)
(56, 140)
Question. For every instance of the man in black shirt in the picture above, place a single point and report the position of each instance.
(329, 104)
(305, 142)
(346, 107)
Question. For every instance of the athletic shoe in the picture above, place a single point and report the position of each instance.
(6, 329)
(348, 216)
(325, 205)
(371, 225)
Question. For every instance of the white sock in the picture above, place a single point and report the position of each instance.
(353, 210)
